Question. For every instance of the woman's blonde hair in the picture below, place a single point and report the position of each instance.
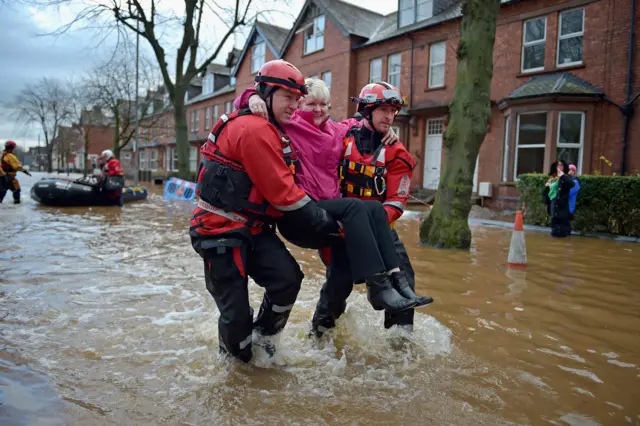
(317, 89)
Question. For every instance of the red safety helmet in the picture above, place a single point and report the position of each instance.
(279, 73)
(10, 145)
(374, 95)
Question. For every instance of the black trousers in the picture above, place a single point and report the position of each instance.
(339, 284)
(367, 237)
(7, 184)
(228, 262)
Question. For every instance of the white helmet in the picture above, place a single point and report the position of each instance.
(107, 153)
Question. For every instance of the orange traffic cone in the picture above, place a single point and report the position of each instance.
(518, 249)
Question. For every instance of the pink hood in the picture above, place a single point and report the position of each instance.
(319, 150)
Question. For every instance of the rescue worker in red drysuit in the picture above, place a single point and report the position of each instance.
(245, 182)
(9, 168)
(370, 171)
(112, 177)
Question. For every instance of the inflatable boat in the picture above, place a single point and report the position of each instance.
(85, 191)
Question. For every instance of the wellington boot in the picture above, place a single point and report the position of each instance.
(383, 296)
(401, 284)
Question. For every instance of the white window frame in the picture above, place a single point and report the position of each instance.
(316, 35)
(326, 80)
(126, 156)
(532, 43)
(417, 3)
(505, 154)
(517, 146)
(153, 159)
(207, 84)
(173, 159)
(227, 107)
(567, 36)
(207, 118)
(192, 121)
(580, 145)
(371, 76)
(432, 65)
(258, 53)
(393, 73)
(197, 120)
(412, 8)
(193, 161)
(215, 114)
(143, 159)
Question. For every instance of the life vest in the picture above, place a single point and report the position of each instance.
(224, 184)
(362, 176)
(6, 167)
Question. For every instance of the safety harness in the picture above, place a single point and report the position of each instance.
(224, 186)
(362, 179)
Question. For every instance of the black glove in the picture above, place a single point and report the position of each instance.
(312, 216)
(26, 173)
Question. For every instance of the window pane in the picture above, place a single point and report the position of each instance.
(505, 159)
(533, 57)
(404, 4)
(533, 129)
(394, 80)
(570, 128)
(437, 53)
(320, 24)
(425, 9)
(406, 17)
(570, 155)
(571, 22)
(530, 160)
(326, 77)
(534, 30)
(320, 41)
(570, 50)
(437, 76)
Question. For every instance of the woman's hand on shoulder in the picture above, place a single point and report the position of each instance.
(390, 138)
(258, 106)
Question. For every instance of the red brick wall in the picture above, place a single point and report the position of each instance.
(100, 138)
(335, 57)
(244, 76)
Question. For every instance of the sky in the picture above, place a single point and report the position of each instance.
(28, 54)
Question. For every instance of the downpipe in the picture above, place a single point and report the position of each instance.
(628, 109)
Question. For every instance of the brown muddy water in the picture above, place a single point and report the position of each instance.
(105, 320)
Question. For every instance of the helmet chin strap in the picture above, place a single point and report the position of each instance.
(267, 97)
(368, 115)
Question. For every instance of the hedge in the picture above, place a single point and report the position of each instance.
(608, 204)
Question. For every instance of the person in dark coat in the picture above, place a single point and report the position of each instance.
(559, 191)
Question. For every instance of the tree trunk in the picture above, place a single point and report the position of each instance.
(447, 226)
(86, 152)
(182, 135)
(49, 157)
(116, 137)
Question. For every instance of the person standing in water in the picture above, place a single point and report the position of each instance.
(9, 168)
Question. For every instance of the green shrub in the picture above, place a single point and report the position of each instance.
(608, 204)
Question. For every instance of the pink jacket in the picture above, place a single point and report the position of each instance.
(319, 150)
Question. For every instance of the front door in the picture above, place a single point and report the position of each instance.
(433, 154)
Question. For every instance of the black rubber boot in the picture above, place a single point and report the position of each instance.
(383, 296)
(322, 321)
(401, 284)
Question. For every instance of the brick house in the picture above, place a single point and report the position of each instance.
(560, 66)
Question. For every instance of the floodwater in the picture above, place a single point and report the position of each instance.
(105, 320)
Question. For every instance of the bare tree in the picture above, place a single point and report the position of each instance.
(143, 17)
(112, 85)
(47, 104)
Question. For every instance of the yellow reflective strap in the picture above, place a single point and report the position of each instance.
(369, 171)
(352, 165)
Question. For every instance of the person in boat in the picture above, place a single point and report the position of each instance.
(246, 183)
(112, 177)
(348, 159)
(9, 168)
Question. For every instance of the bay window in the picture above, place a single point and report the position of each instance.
(531, 134)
